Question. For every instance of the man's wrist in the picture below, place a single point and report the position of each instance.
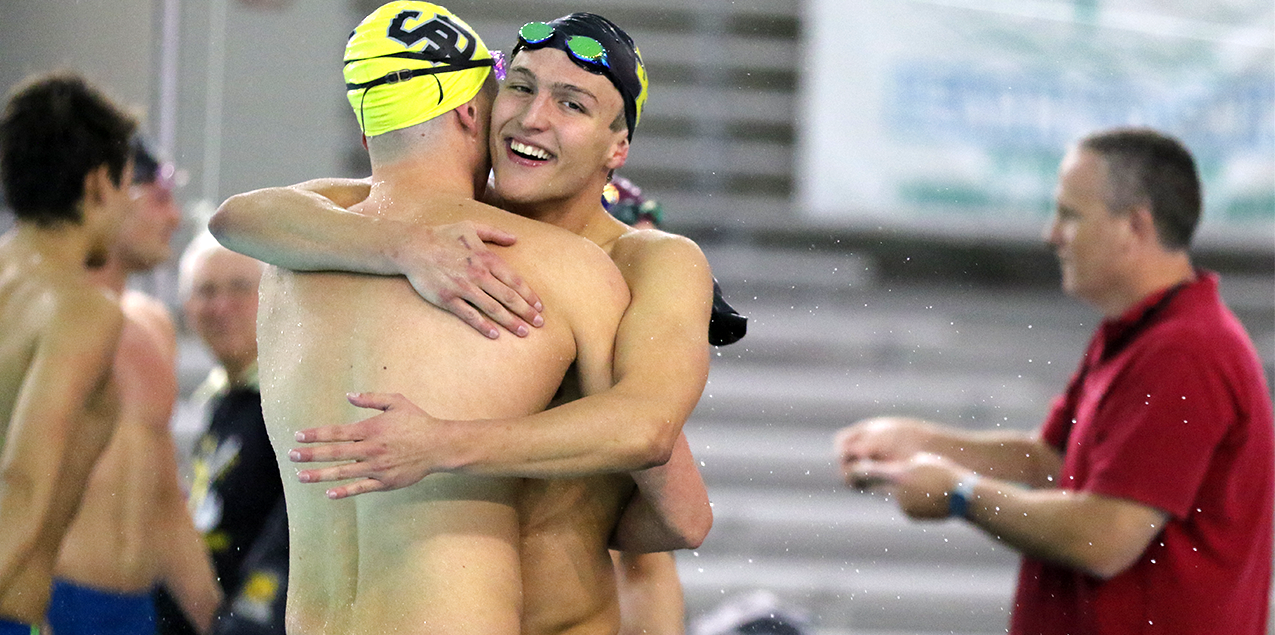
(961, 498)
(404, 242)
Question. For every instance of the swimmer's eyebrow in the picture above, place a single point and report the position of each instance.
(572, 88)
(521, 70)
(556, 86)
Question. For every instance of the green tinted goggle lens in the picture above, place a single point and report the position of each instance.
(587, 49)
(581, 47)
(535, 32)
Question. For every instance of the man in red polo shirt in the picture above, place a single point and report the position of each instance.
(1144, 505)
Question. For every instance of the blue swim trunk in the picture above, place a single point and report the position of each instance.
(10, 627)
(79, 610)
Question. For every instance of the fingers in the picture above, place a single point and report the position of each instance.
(333, 434)
(358, 430)
(867, 474)
(502, 295)
(328, 453)
(475, 306)
(342, 472)
(358, 487)
(490, 234)
(373, 400)
(471, 316)
(864, 481)
(506, 286)
(845, 443)
(498, 281)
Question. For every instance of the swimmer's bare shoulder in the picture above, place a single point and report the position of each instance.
(542, 250)
(153, 317)
(60, 338)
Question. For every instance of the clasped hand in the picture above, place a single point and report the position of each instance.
(887, 454)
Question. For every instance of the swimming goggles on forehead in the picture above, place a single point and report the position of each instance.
(584, 49)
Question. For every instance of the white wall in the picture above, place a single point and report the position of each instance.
(108, 41)
(283, 115)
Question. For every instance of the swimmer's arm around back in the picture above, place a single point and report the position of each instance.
(302, 229)
(669, 510)
(660, 369)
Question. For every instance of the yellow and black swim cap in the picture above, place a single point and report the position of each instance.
(409, 62)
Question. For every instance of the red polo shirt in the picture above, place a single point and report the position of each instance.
(1169, 409)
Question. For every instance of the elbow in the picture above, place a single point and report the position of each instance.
(222, 220)
(1104, 571)
(1116, 543)
(692, 529)
(1104, 555)
(688, 533)
(697, 532)
(235, 219)
(1106, 566)
(653, 446)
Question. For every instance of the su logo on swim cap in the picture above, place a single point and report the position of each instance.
(409, 62)
(442, 34)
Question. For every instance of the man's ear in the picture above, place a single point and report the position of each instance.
(1142, 224)
(619, 153)
(97, 183)
(467, 116)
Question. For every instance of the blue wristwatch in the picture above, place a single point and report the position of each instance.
(958, 500)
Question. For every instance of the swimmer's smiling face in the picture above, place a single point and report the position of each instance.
(552, 130)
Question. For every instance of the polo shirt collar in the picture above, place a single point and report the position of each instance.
(1116, 332)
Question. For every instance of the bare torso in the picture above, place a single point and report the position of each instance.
(58, 404)
(441, 556)
(568, 578)
(568, 575)
(111, 545)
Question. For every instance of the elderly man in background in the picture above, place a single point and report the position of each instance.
(236, 493)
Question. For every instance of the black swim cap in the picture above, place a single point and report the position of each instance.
(623, 64)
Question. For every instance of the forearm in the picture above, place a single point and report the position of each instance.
(188, 573)
(650, 591)
(297, 229)
(670, 509)
(1010, 456)
(610, 432)
(1095, 534)
(22, 515)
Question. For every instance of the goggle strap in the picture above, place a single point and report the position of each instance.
(424, 56)
(405, 74)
